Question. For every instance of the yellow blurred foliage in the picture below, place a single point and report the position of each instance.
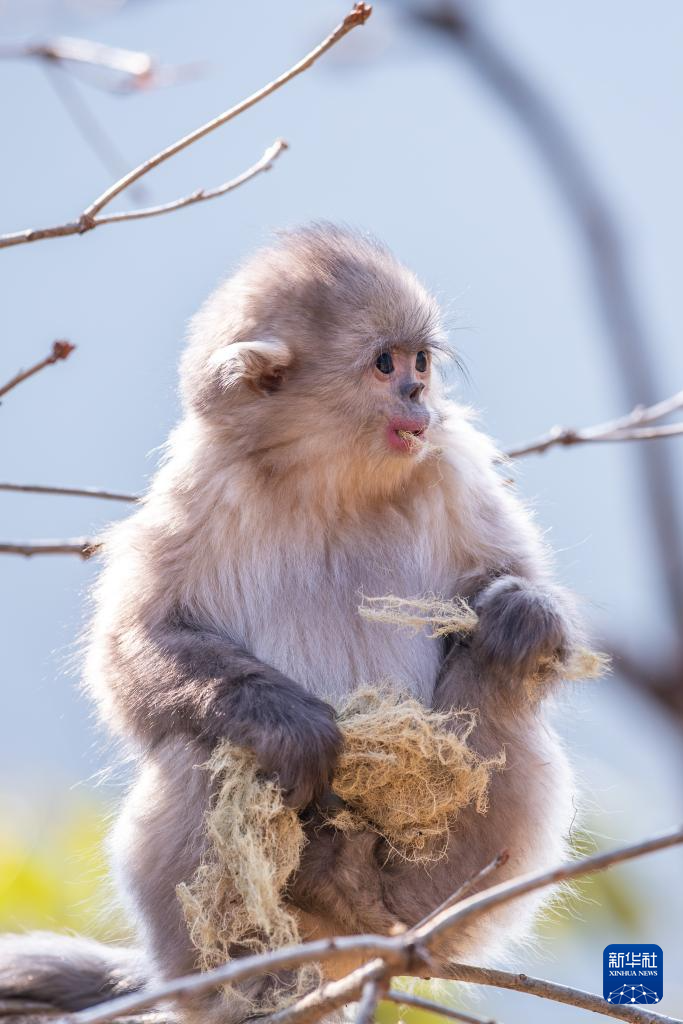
(53, 872)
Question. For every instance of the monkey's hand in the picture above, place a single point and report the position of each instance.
(293, 735)
(521, 624)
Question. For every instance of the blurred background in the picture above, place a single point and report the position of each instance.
(497, 148)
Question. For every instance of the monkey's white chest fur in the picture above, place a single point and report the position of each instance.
(291, 596)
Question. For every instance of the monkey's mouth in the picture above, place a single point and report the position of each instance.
(406, 435)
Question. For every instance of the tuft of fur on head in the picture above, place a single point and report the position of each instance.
(278, 357)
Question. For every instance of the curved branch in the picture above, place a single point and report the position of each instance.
(598, 229)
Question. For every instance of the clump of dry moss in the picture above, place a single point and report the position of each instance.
(253, 845)
(405, 772)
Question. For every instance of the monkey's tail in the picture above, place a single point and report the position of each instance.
(66, 972)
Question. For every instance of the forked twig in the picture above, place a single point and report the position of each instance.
(402, 954)
(90, 217)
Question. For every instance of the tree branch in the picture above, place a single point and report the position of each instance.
(79, 546)
(264, 164)
(403, 954)
(598, 229)
(474, 906)
(89, 219)
(557, 993)
(334, 995)
(140, 69)
(635, 426)
(77, 492)
(60, 350)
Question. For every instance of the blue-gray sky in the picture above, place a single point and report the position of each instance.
(391, 133)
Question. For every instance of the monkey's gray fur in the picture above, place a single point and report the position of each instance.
(228, 604)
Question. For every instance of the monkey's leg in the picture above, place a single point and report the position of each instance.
(339, 878)
(530, 811)
(156, 845)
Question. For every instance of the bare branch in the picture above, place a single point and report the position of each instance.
(246, 967)
(635, 426)
(403, 954)
(333, 996)
(372, 993)
(79, 546)
(80, 226)
(60, 350)
(475, 906)
(419, 1003)
(89, 219)
(264, 164)
(138, 68)
(77, 492)
(599, 231)
(557, 993)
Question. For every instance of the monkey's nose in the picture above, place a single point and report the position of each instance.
(412, 389)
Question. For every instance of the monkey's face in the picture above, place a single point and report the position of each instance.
(398, 384)
(318, 357)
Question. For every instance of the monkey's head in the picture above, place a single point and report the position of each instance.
(320, 353)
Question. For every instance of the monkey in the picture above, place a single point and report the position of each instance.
(319, 456)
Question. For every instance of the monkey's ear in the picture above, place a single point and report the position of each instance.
(260, 365)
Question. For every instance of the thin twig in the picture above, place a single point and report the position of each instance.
(419, 1003)
(634, 426)
(60, 350)
(89, 219)
(331, 997)
(608, 270)
(557, 993)
(79, 546)
(76, 492)
(264, 164)
(475, 906)
(372, 992)
(140, 69)
(466, 887)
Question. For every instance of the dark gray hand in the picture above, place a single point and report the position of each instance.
(520, 625)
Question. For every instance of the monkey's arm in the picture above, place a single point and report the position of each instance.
(177, 679)
(524, 618)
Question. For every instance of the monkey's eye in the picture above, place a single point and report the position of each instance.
(421, 362)
(385, 364)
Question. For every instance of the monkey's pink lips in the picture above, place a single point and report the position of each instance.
(406, 435)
